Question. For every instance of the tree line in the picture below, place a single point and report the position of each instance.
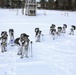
(58, 4)
(11, 3)
(45, 4)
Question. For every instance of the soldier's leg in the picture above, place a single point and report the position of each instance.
(70, 32)
(73, 32)
(2, 48)
(58, 33)
(38, 39)
(53, 36)
(63, 31)
(19, 50)
(5, 48)
(12, 40)
(24, 52)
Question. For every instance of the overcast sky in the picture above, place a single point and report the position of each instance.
(37, 0)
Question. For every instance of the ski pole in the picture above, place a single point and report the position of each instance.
(31, 50)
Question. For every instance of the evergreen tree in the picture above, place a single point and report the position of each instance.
(56, 4)
(69, 4)
(74, 4)
(7, 3)
(64, 5)
(43, 3)
(50, 4)
(0, 3)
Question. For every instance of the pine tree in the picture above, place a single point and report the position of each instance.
(69, 4)
(74, 4)
(56, 4)
(43, 3)
(50, 4)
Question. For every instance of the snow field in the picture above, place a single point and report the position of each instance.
(50, 57)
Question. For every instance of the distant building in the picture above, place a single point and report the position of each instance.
(30, 7)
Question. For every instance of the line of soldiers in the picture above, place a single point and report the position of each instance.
(22, 42)
(4, 38)
(38, 34)
(53, 31)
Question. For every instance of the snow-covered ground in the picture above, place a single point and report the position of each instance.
(50, 57)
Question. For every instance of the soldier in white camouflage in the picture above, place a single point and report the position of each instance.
(11, 34)
(3, 38)
(53, 30)
(23, 43)
(64, 28)
(73, 27)
(59, 30)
